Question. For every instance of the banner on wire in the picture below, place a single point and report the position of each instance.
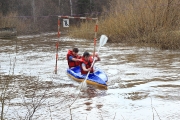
(65, 22)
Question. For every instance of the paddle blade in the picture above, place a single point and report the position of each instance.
(103, 40)
(83, 86)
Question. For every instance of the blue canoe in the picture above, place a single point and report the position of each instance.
(98, 78)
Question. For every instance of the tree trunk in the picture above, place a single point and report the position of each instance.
(33, 7)
(71, 7)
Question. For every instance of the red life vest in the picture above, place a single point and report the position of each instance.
(87, 64)
(72, 63)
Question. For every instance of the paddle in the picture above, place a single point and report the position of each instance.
(103, 40)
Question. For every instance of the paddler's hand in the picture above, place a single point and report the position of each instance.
(89, 69)
(80, 60)
(96, 54)
(97, 58)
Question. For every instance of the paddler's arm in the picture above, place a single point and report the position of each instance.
(84, 67)
(73, 59)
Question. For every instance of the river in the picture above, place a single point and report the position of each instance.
(144, 83)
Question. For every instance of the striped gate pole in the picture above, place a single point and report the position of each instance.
(95, 37)
(57, 45)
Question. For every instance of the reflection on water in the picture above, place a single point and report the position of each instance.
(143, 82)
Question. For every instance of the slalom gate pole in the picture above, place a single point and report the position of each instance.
(95, 37)
(57, 45)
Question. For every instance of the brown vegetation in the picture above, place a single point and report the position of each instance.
(26, 25)
(37, 16)
(152, 23)
(143, 22)
(85, 30)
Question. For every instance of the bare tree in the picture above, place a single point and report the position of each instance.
(33, 7)
(71, 7)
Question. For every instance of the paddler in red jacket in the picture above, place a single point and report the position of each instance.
(86, 62)
(73, 58)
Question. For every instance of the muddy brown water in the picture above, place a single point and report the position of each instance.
(144, 83)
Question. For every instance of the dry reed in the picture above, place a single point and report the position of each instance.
(146, 22)
(84, 30)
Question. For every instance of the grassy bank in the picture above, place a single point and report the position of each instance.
(83, 30)
(28, 24)
(142, 22)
